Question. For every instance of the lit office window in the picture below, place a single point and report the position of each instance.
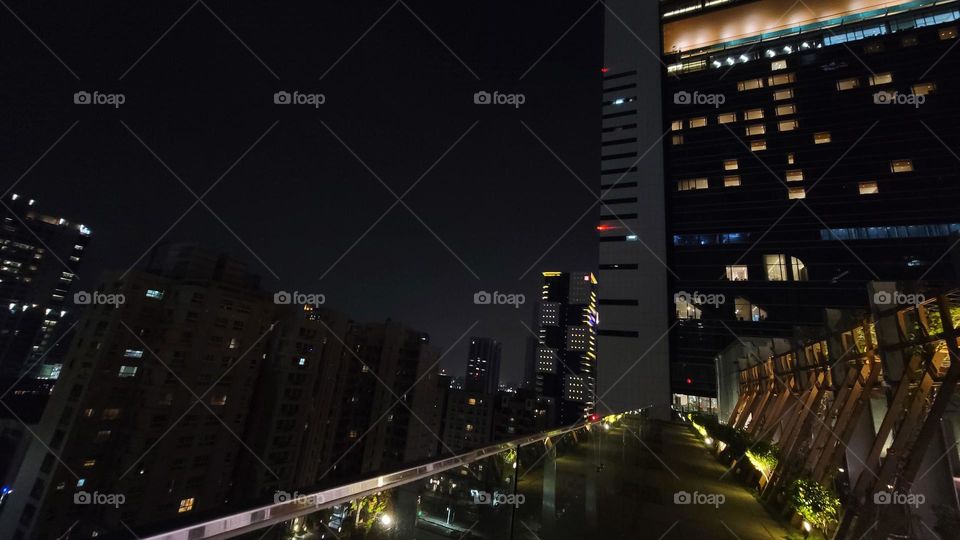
(848, 84)
(780, 95)
(756, 129)
(788, 125)
(127, 371)
(784, 110)
(731, 181)
(922, 89)
(744, 310)
(737, 273)
(782, 78)
(749, 84)
(758, 145)
(186, 505)
(693, 183)
(799, 269)
(753, 114)
(791, 158)
(776, 266)
(881, 78)
(795, 175)
(731, 164)
(822, 137)
(685, 307)
(796, 193)
(901, 165)
(777, 65)
(948, 33)
(727, 118)
(868, 188)
(677, 139)
(699, 121)
(676, 125)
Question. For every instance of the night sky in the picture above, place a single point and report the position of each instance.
(202, 98)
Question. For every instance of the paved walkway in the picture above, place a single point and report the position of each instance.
(644, 467)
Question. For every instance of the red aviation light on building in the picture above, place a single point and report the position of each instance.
(602, 228)
(689, 380)
(594, 417)
(604, 70)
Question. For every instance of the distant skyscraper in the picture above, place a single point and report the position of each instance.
(566, 354)
(39, 257)
(483, 365)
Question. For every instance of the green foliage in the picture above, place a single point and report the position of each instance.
(764, 456)
(814, 502)
(367, 509)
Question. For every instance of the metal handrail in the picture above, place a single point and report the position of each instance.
(246, 521)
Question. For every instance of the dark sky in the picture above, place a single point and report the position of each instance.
(202, 96)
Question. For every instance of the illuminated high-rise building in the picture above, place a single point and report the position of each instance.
(566, 359)
(483, 365)
(787, 154)
(39, 258)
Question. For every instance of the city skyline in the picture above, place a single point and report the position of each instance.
(201, 134)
